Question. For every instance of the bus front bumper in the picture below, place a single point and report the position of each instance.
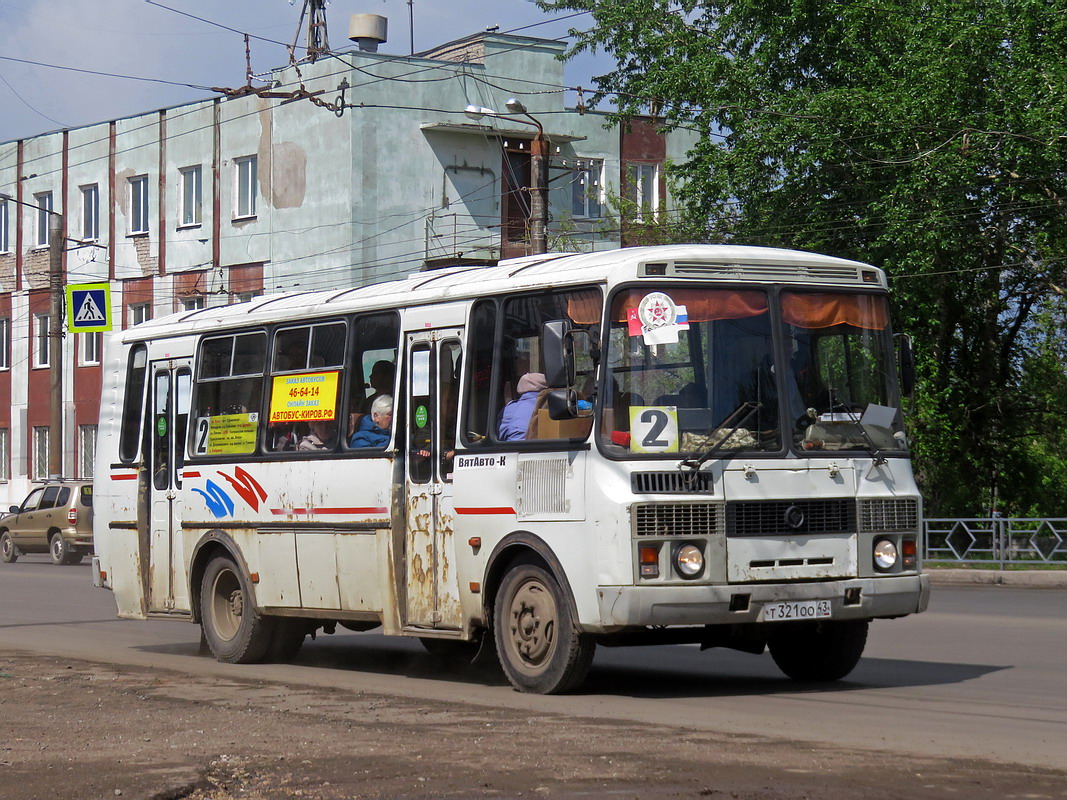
(692, 604)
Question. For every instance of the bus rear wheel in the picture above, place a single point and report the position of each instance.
(818, 651)
(540, 648)
(234, 631)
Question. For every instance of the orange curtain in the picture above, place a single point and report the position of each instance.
(583, 307)
(702, 305)
(823, 310)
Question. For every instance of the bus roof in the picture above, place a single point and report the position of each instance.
(691, 261)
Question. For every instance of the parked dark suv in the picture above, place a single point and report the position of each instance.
(56, 518)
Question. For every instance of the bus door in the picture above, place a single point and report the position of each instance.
(432, 587)
(169, 394)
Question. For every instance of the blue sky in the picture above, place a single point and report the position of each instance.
(140, 38)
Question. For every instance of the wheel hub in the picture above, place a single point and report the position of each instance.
(533, 623)
(237, 603)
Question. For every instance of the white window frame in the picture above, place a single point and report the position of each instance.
(587, 188)
(245, 297)
(5, 454)
(5, 242)
(190, 196)
(194, 303)
(90, 194)
(137, 205)
(40, 453)
(92, 346)
(245, 186)
(43, 202)
(86, 451)
(42, 354)
(5, 343)
(642, 189)
(140, 312)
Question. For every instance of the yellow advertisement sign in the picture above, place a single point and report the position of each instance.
(231, 433)
(305, 397)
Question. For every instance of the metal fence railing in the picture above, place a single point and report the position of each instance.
(997, 541)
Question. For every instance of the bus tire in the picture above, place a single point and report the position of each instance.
(8, 552)
(818, 651)
(539, 646)
(235, 632)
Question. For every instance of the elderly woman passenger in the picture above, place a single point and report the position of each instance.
(373, 428)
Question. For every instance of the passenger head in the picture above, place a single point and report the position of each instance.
(381, 411)
(531, 382)
(381, 376)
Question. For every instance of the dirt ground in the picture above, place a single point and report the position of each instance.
(80, 730)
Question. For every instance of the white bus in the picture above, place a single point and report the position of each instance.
(682, 444)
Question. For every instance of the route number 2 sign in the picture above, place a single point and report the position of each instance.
(654, 429)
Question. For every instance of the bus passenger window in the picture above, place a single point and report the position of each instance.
(307, 365)
(228, 394)
(372, 366)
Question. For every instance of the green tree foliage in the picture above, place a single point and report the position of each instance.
(928, 137)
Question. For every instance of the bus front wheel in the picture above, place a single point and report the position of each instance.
(540, 648)
(818, 651)
(234, 631)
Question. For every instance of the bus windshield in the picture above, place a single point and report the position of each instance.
(841, 385)
(689, 369)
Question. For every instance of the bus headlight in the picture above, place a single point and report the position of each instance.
(688, 561)
(885, 554)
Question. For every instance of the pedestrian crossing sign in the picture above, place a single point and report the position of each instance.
(89, 307)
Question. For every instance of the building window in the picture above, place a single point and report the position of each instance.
(140, 312)
(245, 297)
(92, 343)
(90, 212)
(86, 450)
(5, 455)
(642, 190)
(4, 245)
(43, 201)
(587, 188)
(138, 204)
(245, 190)
(192, 194)
(40, 454)
(41, 349)
(193, 303)
(5, 343)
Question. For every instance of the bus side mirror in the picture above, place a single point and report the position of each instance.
(557, 352)
(907, 364)
(562, 404)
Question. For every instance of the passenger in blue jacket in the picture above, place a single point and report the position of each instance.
(373, 428)
(515, 416)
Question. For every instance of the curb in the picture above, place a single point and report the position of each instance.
(1030, 578)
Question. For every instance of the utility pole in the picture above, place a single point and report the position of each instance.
(538, 194)
(538, 169)
(55, 343)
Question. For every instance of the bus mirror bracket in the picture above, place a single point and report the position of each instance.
(557, 347)
(907, 364)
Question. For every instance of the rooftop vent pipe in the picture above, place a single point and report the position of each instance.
(368, 31)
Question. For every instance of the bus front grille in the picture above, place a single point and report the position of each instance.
(892, 514)
(673, 482)
(790, 517)
(677, 519)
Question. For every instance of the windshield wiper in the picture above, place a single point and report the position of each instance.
(872, 448)
(694, 464)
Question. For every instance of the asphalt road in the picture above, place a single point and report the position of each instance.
(980, 675)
